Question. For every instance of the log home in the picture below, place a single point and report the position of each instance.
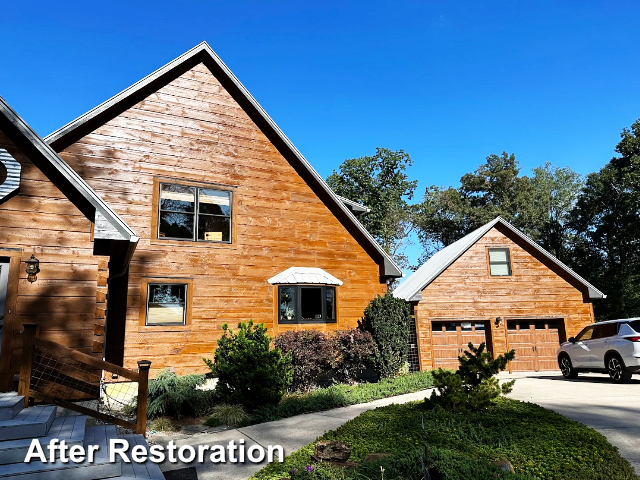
(497, 286)
(49, 214)
(234, 223)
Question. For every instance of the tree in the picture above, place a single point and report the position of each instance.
(606, 219)
(380, 183)
(495, 188)
(555, 193)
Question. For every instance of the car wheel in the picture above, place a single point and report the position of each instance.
(567, 368)
(617, 370)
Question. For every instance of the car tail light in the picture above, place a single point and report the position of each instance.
(633, 339)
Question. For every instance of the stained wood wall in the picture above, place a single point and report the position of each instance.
(67, 300)
(466, 291)
(193, 130)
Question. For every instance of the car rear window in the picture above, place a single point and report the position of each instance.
(635, 324)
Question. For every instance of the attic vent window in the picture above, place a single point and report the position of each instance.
(499, 262)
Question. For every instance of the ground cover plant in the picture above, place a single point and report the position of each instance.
(541, 445)
(342, 395)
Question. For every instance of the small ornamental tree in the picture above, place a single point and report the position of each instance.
(473, 386)
(311, 355)
(387, 319)
(250, 372)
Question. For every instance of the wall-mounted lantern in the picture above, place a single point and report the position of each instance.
(498, 321)
(33, 268)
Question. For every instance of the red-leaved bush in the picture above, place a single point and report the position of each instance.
(312, 354)
(353, 353)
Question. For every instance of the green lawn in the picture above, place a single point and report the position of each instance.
(540, 444)
(342, 395)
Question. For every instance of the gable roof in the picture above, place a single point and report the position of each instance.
(296, 275)
(202, 53)
(412, 287)
(108, 225)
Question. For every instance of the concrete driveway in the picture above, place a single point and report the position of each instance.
(592, 399)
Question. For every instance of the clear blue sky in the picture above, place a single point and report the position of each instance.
(449, 82)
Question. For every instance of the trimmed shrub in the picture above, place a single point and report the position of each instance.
(473, 386)
(387, 319)
(311, 355)
(250, 372)
(174, 396)
(354, 351)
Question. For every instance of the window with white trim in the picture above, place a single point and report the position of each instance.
(499, 262)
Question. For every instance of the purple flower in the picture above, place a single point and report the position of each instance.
(293, 471)
(309, 468)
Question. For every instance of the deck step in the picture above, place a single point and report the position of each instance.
(32, 422)
(71, 429)
(10, 405)
(139, 471)
(100, 468)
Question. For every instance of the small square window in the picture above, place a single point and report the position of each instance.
(166, 304)
(499, 262)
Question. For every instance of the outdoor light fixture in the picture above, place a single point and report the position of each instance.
(498, 321)
(33, 268)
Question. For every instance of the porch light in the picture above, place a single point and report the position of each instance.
(33, 268)
(498, 321)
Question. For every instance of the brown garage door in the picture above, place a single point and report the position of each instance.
(535, 342)
(450, 340)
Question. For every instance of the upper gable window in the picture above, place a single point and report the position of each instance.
(194, 213)
(499, 262)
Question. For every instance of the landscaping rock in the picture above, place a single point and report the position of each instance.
(372, 457)
(330, 450)
(504, 465)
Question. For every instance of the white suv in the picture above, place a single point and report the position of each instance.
(612, 347)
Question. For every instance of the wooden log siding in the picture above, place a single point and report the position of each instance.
(466, 291)
(194, 131)
(64, 301)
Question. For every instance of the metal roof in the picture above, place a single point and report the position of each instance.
(303, 275)
(355, 206)
(203, 53)
(109, 226)
(411, 288)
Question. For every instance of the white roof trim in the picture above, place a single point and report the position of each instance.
(389, 267)
(304, 275)
(411, 288)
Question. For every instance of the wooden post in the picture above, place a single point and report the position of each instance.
(143, 392)
(26, 365)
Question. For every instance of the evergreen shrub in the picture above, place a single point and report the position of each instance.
(174, 396)
(386, 318)
(249, 371)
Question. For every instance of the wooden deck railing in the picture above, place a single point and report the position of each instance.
(71, 379)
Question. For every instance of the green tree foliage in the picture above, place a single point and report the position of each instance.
(380, 182)
(494, 189)
(250, 372)
(555, 193)
(386, 318)
(606, 219)
(473, 386)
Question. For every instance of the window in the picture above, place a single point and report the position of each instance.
(605, 330)
(166, 304)
(194, 213)
(585, 334)
(499, 262)
(306, 304)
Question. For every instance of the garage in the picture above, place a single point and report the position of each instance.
(536, 343)
(450, 340)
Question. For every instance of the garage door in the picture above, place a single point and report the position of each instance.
(450, 340)
(535, 342)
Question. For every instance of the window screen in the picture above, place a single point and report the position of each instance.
(499, 262)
